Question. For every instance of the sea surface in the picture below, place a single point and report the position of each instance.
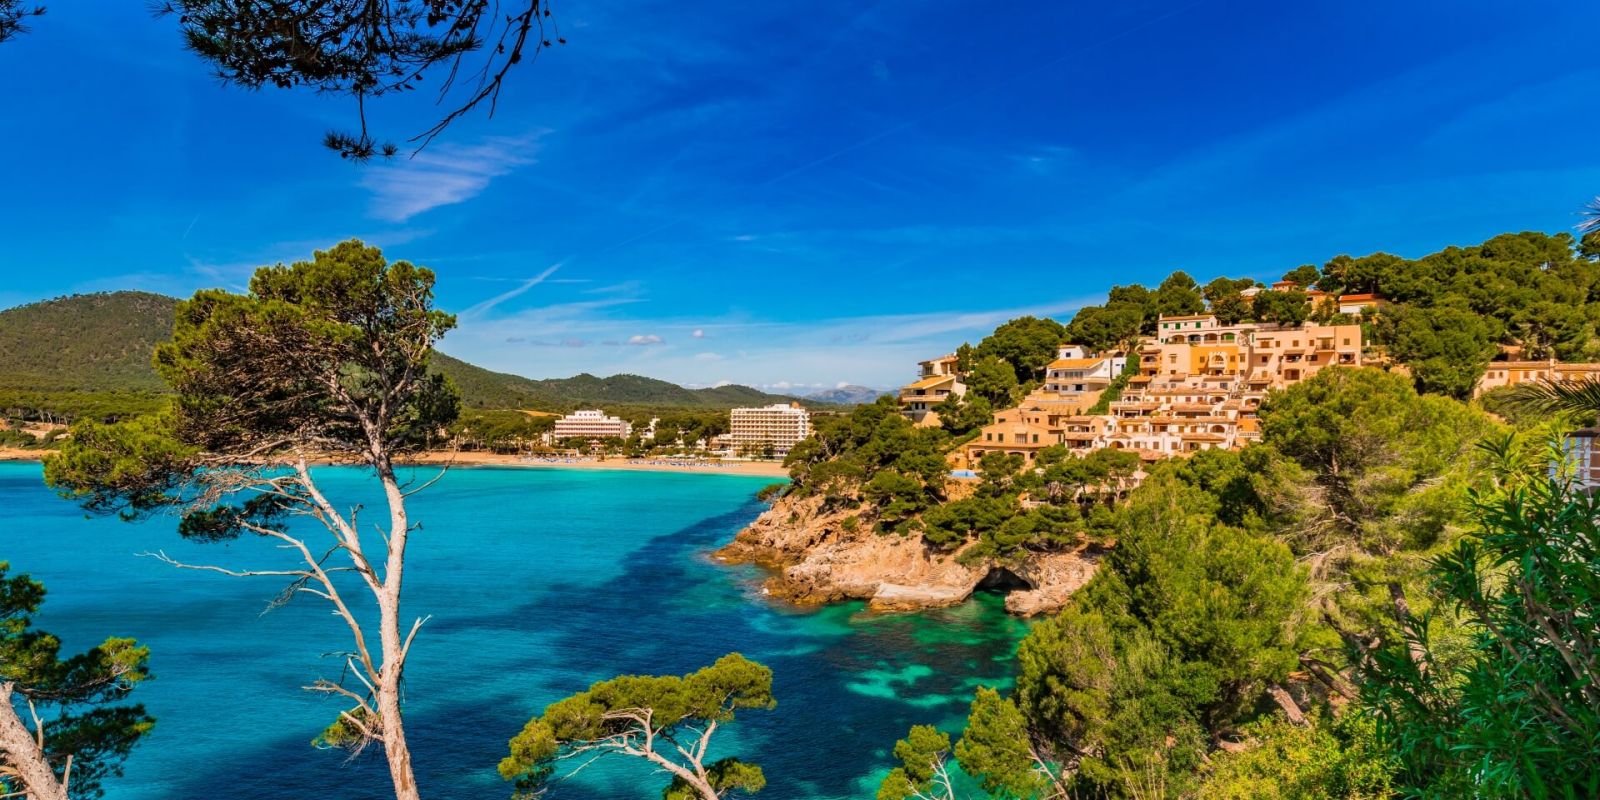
(536, 582)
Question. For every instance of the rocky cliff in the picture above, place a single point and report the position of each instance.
(817, 556)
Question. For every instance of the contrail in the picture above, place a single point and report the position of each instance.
(521, 288)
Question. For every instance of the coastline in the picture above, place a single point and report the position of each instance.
(769, 469)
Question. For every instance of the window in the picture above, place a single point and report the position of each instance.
(1346, 341)
(1000, 437)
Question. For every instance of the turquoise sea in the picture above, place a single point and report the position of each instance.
(538, 582)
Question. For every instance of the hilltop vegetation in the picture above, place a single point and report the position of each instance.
(1449, 312)
(89, 356)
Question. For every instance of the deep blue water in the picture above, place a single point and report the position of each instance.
(539, 582)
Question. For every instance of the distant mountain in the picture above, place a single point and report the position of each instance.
(86, 343)
(100, 343)
(847, 395)
(486, 389)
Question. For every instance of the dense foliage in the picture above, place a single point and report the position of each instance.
(85, 343)
(873, 454)
(1026, 344)
(664, 720)
(1214, 652)
(75, 703)
(1516, 712)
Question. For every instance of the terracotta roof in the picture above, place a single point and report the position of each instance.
(1075, 363)
(929, 383)
(1165, 318)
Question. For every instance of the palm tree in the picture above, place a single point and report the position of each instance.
(1579, 396)
(1591, 217)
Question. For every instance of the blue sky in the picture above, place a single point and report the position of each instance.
(805, 194)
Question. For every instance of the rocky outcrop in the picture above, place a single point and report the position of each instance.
(820, 556)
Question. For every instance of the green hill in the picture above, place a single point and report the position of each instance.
(482, 388)
(90, 355)
(84, 343)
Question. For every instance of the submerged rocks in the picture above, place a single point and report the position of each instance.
(821, 556)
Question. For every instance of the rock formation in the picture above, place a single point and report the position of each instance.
(819, 556)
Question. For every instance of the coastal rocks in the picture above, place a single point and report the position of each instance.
(1053, 577)
(823, 557)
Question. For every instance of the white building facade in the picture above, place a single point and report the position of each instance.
(779, 426)
(592, 424)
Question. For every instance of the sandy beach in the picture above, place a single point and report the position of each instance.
(771, 469)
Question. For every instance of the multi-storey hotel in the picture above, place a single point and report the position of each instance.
(1199, 385)
(779, 425)
(591, 424)
(937, 379)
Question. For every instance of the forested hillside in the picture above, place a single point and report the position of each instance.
(89, 355)
(85, 343)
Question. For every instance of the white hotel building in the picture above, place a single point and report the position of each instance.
(779, 425)
(591, 424)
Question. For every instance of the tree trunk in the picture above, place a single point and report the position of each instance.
(21, 751)
(395, 748)
(1291, 709)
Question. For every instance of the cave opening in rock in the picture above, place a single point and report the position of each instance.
(1001, 580)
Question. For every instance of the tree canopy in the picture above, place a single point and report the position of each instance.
(1516, 712)
(13, 16)
(322, 359)
(75, 703)
(1028, 344)
(666, 721)
(368, 51)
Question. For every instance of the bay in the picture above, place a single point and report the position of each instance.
(536, 582)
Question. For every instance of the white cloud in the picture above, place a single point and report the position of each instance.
(644, 339)
(708, 356)
(444, 174)
(698, 333)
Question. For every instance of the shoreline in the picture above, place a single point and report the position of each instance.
(766, 469)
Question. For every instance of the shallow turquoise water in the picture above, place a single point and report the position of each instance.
(538, 582)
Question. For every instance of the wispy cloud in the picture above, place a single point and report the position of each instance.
(870, 350)
(481, 308)
(444, 174)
